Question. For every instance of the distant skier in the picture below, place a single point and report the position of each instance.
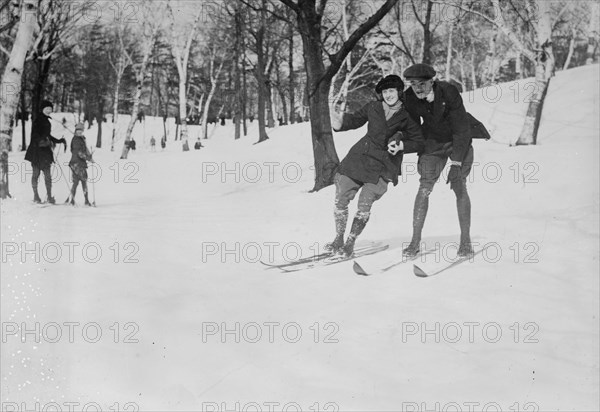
(153, 144)
(445, 126)
(374, 161)
(39, 152)
(80, 155)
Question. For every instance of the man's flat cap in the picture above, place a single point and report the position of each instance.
(419, 71)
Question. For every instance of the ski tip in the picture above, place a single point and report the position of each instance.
(419, 272)
(359, 270)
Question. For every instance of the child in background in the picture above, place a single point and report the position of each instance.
(80, 155)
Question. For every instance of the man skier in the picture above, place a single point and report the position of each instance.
(374, 161)
(438, 107)
(39, 152)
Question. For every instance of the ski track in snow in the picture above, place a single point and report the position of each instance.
(165, 212)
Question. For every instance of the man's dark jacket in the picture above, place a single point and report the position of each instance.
(445, 122)
(368, 159)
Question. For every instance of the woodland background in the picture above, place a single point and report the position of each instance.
(273, 61)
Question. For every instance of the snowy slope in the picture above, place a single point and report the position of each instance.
(169, 260)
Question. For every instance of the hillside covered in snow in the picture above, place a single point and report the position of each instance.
(156, 298)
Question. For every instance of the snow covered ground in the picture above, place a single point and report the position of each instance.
(155, 300)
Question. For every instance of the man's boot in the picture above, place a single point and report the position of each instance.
(36, 196)
(419, 214)
(358, 224)
(48, 180)
(341, 218)
(87, 202)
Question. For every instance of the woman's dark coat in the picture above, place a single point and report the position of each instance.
(368, 160)
(39, 152)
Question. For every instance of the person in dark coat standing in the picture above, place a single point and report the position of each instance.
(374, 161)
(80, 155)
(438, 107)
(39, 152)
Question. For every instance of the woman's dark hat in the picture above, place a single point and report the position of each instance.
(390, 82)
(46, 103)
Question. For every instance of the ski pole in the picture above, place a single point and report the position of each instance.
(93, 182)
(56, 161)
(63, 126)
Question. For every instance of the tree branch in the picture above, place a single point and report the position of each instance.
(338, 58)
(412, 2)
(290, 4)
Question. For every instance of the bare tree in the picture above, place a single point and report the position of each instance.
(425, 23)
(352, 71)
(309, 15)
(259, 27)
(119, 60)
(9, 15)
(11, 86)
(58, 21)
(292, 74)
(150, 27)
(593, 32)
(538, 15)
(215, 65)
(181, 44)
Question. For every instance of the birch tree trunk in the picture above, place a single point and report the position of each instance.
(181, 57)
(148, 47)
(544, 70)
(571, 49)
(539, 16)
(115, 111)
(214, 76)
(123, 61)
(140, 76)
(10, 88)
(351, 71)
(449, 52)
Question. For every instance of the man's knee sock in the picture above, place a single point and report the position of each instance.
(420, 213)
(463, 206)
